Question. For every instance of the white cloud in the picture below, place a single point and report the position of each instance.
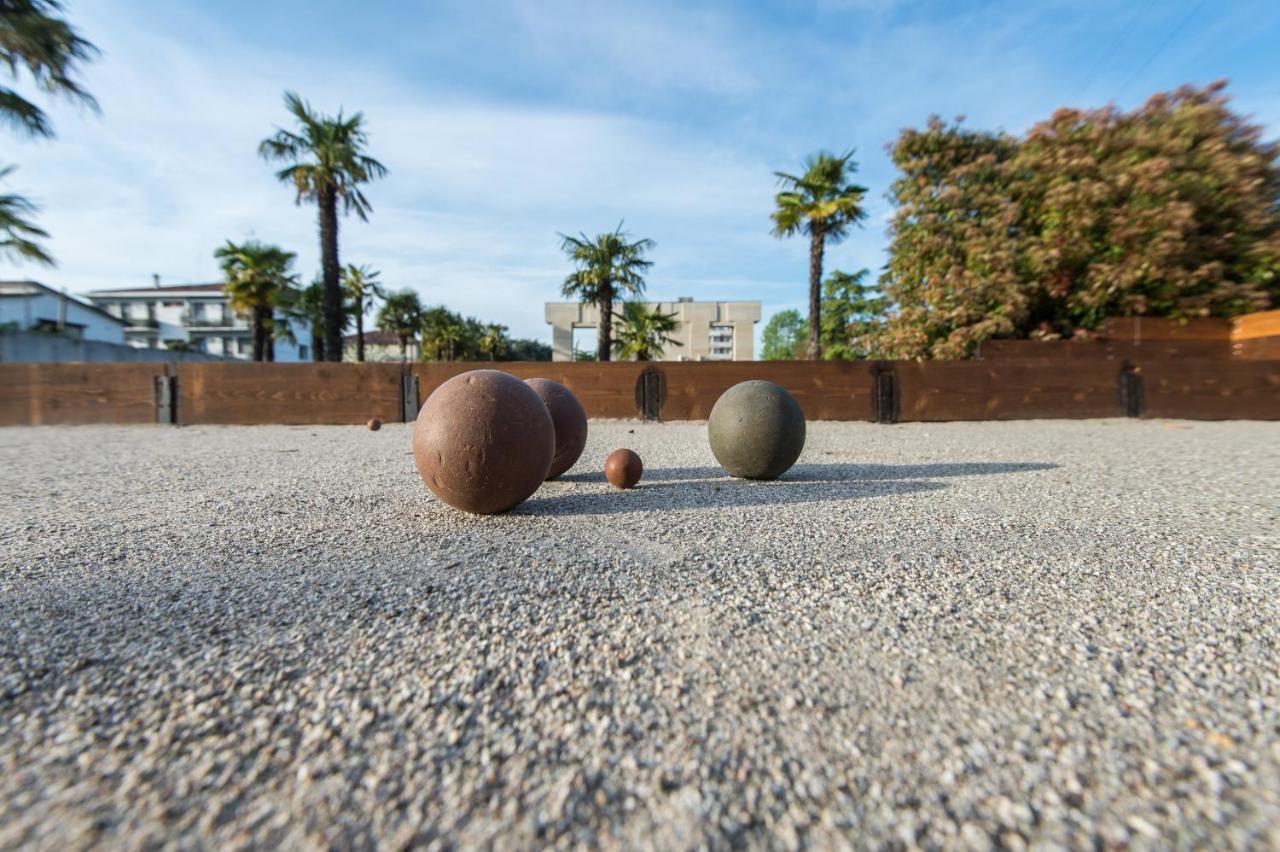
(468, 215)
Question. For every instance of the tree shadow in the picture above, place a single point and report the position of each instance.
(676, 488)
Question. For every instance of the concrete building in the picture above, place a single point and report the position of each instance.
(195, 314)
(32, 306)
(706, 331)
(379, 346)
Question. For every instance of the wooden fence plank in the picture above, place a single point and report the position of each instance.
(1060, 351)
(1256, 349)
(1210, 390)
(826, 390)
(605, 390)
(288, 393)
(75, 394)
(17, 394)
(1134, 329)
(978, 390)
(1251, 326)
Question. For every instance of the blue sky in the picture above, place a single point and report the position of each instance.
(505, 122)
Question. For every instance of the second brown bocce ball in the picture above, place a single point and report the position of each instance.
(623, 468)
(374, 424)
(570, 420)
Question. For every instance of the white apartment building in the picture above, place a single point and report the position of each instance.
(705, 331)
(194, 314)
(32, 306)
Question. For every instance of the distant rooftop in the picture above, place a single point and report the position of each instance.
(373, 338)
(35, 288)
(155, 288)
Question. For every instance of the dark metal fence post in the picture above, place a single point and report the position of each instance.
(166, 388)
(409, 395)
(884, 390)
(1130, 391)
(650, 391)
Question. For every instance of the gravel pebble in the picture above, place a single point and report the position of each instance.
(971, 635)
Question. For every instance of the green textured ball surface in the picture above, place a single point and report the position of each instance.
(756, 430)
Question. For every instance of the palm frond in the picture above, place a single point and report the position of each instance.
(50, 50)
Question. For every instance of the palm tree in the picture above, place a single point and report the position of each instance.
(362, 287)
(257, 282)
(608, 265)
(401, 315)
(434, 321)
(326, 164)
(307, 305)
(643, 334)
(50, 49)
(823, 204)
(450, 336)
(17, 232)
(494, 340)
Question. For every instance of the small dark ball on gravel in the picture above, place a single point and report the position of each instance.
(374, 424)
(756, 430)
(483, 442)
(623, 468)
(570, 421)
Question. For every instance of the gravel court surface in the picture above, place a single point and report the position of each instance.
(970, 635)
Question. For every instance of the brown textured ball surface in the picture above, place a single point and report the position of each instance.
(374, 424)
(623, 468)
(483, 442)
(569, 419)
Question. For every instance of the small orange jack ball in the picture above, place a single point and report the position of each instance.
(623, 468)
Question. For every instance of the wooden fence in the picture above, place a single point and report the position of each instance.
(1252, 337)
(882, 391)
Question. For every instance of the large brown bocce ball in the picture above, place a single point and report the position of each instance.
(623, 468)
(483, 442)
(570, 421)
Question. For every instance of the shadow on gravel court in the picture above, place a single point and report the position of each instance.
(836, 472)
(722, 493)
(668, 488)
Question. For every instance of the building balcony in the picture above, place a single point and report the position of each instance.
(190, 321)
(141, 322)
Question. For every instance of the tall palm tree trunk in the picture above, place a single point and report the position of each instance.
(604, 335)
(360, 329)
(271, 337)
(259, 332)
(317, 344)
(329, 267)
(815, 294)
(404, 347)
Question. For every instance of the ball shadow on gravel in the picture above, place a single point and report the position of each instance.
(674, 488)
(840, 471)
(722, 493)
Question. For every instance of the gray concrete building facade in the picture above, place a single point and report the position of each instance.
(706, 331)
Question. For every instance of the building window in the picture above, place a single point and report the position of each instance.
(304, 353)
(720, 342)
